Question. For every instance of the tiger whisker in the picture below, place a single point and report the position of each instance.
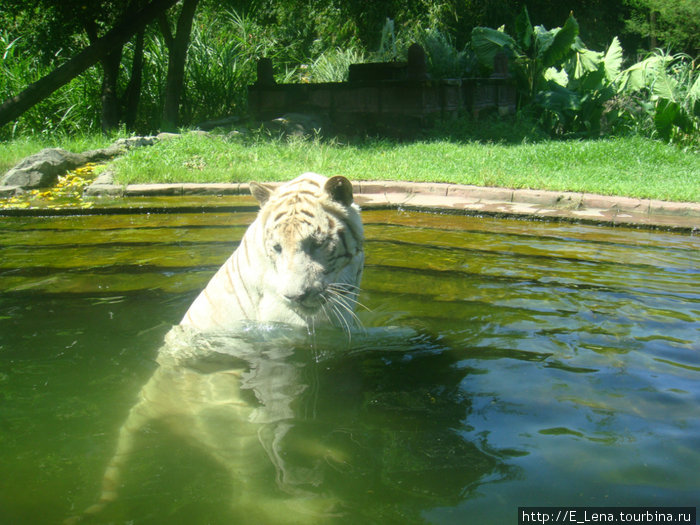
(345, 285)
(340, 318)
(346, 301)
(344, 289)
(338, 300)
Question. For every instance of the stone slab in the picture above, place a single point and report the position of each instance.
(480, 193)
(548, 198)
(214, 189)
(152, 190)
(104, 190)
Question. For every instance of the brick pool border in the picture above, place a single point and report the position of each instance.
(474, 200)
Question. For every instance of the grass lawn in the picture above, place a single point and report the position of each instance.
(634, 166)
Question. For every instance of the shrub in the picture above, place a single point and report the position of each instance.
(661, 95)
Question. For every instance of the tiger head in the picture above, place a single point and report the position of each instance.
(312, 238)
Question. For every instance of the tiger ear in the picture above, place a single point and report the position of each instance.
(340, 190)
(260, 192)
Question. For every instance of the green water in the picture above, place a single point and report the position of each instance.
(527, 364)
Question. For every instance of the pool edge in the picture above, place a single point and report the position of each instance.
(455, 198)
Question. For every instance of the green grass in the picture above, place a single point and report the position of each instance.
(12, 152)
(635, 166)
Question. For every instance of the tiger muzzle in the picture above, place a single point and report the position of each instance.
(308, 300)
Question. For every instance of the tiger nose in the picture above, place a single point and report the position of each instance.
(299, 296)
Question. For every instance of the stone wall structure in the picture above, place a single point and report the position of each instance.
(385, 95)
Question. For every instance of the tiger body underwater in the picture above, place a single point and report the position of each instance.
(299, 266)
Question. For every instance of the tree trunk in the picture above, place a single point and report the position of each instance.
(42, 88)
(110, 100)
(177, 47)
(133, 89)
(110, 77)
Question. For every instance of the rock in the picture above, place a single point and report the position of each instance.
(135, 142)
(119, 147)
(42, 169)
(104, 186)
(297, 124)
(106, 177)
(164, 135)
(9, 191)
(103, 154)
(104, 190)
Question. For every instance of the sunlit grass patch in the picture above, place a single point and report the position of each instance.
(631, 166)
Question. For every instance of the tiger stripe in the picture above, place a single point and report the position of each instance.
(235, 268)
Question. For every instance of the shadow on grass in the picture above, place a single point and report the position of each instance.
(488, 129)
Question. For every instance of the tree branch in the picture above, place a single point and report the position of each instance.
(164, 26)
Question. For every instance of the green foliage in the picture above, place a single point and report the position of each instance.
(576, 91)
(224, 49)
(72, 109)
(672, 24)
(563, 81)
(532, 51)
(576, 94)
(333, 65)
(570, 89)
(666, 92)
(443, 58)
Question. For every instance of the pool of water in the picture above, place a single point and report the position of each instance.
(503, 363)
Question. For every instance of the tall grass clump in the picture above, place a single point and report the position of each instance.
(443, 58)
(332, 65)
(222, 58)
(72, 109)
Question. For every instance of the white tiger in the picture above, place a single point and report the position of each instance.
(299, 263)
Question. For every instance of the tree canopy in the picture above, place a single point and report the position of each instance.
(143, 80)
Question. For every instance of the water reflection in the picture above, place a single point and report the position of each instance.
(311, 428)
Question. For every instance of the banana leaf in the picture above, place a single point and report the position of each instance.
(558, 99)
(487, 42)
(613, 60)
(584, 60)
(556, 50)
(669, 114)
(523, 30)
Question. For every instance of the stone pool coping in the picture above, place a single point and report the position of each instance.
(475, 200)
